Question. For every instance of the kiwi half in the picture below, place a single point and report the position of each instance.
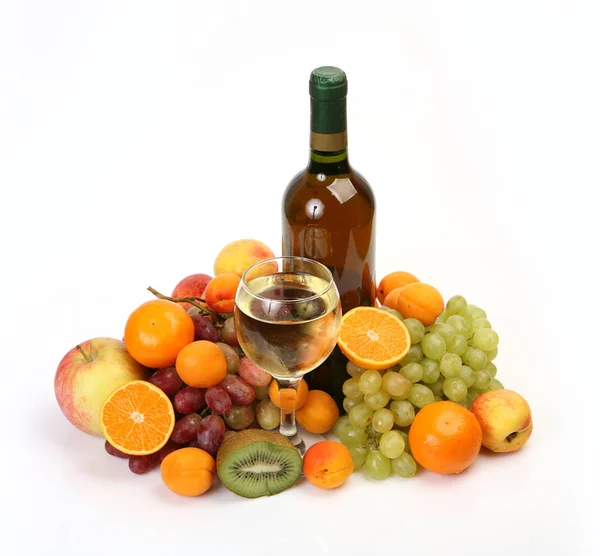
(255, 463)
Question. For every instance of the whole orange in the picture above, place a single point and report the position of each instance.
(157, 331)
(418, 301)
(288, 398)
(319, 412)
(201, 364)
(392, 281)
(445, 437)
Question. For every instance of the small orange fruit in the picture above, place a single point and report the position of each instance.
(288, 398)
(137, 418)
(319, 412)
(201, 364)
(188, 471)
(156, 331)
(392, 281)
(327, 464)
(418, 301)
(373, 338)
(220, 292)
(445, 437)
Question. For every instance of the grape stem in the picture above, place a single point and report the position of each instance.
(85, 355)
(204, 411)
(195, 301)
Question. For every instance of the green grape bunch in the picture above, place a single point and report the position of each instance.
(450, 360)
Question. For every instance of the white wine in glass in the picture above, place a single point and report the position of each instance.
(287, 319)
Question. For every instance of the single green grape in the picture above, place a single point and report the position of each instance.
(460, 325)
(391, 444)
(405, 437)
(420, 395)
(456, 304)
(377, 400)
(491, 354)
(490, 369)
(359, 455)
(414, 355)
(395, 384)
(360, 416)
(415, 329)
(495, 384)
(397, 314)
(479, 324)
(437, 387)
(340, 424)
(450, 365)
(412, 372)
(482, 378)
(377, 466)
(403, 412)
(467, 375)
(349, 403)
(474, 358)
(459, 346)
(352, 436)
(369, 382)
(485, 339)
(455, 389)
(404, 466)
(475, 313)
(354, 370)
(433, 346)
(431, 370)
(383, 420)
(446, 331)
(350, 388)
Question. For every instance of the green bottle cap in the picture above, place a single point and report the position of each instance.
(328, 83)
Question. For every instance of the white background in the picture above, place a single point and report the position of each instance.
(138, 138)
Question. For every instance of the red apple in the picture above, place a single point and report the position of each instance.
(505, 419)
(87, 375)
(191, 286)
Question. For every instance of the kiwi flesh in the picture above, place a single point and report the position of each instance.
(254, 463)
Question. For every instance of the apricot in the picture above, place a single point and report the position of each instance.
(191, 286)
(319, 412)
(201, 364)
(188, 472)
(418, 301)
(392, 281)
(288, 398)
(327, 464)
(237, 256)
(220, 292)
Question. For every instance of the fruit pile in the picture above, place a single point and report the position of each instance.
(430, 354)
(179, 386)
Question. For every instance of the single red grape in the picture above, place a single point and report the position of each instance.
(204, 329)
(252, 373)
(240, 392)
(211, 434)
(142, 464)
(110, 449)
(218, 400)
(189, 400)
(167, 380)
(186, 429)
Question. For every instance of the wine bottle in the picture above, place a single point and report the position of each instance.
(329, 210)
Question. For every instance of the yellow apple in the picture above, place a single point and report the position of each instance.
(87, 375)
(505, 419)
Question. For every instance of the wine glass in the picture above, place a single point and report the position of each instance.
(288, 317)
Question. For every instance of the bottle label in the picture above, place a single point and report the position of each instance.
(328, 142)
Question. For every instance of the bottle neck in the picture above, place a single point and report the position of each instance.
(328, 137)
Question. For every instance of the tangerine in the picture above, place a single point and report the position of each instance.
(288, 398)
(156, 331)
(318, 413)
(201, 364)
(445, 437)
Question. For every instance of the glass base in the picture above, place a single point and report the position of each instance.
(298, 443)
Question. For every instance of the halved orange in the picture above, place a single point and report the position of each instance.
(373, 338)
(137, 418)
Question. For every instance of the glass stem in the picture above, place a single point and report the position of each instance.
(288, 390)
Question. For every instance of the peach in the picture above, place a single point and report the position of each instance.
(505, 419)
(191, 286)
(327, 464)
(88, 374)
(220, 292)
(237, 256)
(319, 412)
